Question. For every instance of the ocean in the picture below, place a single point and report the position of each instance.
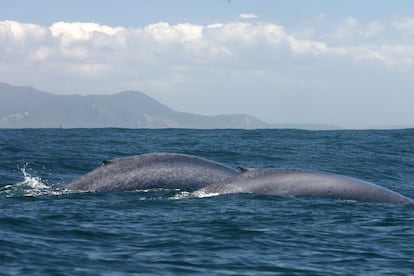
(47, 230)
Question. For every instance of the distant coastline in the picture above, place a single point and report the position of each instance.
(27, 107)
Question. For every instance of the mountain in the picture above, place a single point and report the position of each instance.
(26, 107)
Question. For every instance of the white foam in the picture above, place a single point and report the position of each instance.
(31, 186)
(202, 194)
(33, 182)
(181, 195)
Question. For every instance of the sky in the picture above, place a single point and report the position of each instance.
(344, 63)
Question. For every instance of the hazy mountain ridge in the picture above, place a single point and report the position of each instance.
(26, 107)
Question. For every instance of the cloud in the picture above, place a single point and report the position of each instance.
(248, 16)
(81, 31)
(78, 57)
(91, 42)
(404, 24)
(346, 29)
(18, 38)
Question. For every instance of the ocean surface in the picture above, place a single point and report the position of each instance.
(47, 230)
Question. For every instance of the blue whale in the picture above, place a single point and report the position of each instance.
(150, 171)
(302, 183)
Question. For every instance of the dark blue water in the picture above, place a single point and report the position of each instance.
(47, 230)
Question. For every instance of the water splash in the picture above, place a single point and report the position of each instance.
(31, 186)
(181, 195)
(32, 182)
(202, 194)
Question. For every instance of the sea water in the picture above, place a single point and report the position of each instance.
(45, 229)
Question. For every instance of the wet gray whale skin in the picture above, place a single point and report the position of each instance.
(303, 183)
(154, 170)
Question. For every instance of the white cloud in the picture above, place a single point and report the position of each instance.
(346, 30)
(81, 31)
(234, 56)
(166, 46)
(307, 47)
(19, 39)
(404, 24)
(248, 16)
(39, 54)
(180, 33)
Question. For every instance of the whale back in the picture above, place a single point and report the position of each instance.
(155, 170)
(303, 183)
